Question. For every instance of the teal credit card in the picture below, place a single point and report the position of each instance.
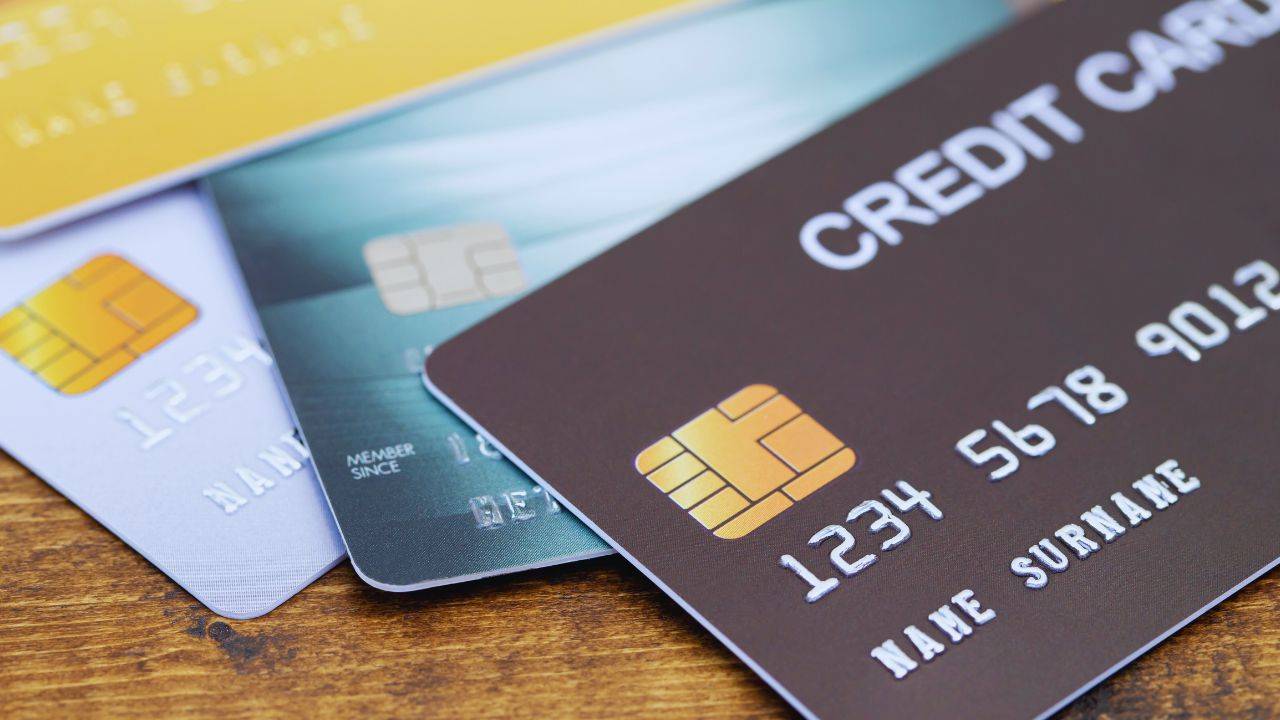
(365, 249)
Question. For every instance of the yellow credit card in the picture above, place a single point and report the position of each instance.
(105, 100)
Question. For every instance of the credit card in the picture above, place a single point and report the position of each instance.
(109, 100)
(132, 380)
(365, 249)
(962, 404)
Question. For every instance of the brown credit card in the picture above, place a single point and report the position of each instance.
(958, 406)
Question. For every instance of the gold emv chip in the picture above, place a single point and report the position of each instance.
(86, 327)
(741, 463)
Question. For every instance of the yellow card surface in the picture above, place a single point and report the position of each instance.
(105, 100)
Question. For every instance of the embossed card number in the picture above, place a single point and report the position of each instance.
(206, 379)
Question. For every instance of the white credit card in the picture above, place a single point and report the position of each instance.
(132, 380)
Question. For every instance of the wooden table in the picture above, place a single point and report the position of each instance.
(89, 628)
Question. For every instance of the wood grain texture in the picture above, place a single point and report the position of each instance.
(88, 628)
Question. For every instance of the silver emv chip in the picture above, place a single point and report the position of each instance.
(445, 266)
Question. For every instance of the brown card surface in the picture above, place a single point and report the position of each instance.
(1039, 284)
